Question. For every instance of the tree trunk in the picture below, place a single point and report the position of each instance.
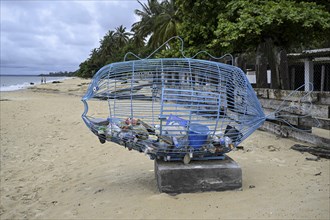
(240, 62)
(278, 62)
(284, 70)
(261, 66)
(273, 64)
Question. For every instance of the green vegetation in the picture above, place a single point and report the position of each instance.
(266, 29)
(60, 73)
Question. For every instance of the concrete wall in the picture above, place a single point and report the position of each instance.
(316, 105)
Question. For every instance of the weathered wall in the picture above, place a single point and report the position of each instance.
(319, 112)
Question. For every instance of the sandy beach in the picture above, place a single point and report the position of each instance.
(53, 167)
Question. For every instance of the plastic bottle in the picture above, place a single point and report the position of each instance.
(222, 142)
(228, 141)
(176, 143)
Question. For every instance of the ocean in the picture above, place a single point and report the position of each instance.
(12, 83)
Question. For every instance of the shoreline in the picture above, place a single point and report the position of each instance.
(28, 83)
(53, 167)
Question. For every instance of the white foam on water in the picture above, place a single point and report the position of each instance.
(24, 82)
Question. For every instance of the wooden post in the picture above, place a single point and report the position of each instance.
(309, 74)
(322, 77)
(293, 78)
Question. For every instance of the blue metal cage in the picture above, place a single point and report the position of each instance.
(173, 107)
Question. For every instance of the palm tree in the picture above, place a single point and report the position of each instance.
(137, 41)
(166, 23)
(122, 36)
(158, 20)
(148, 16)
(108, 44)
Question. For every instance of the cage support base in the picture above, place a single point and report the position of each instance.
(198, 176)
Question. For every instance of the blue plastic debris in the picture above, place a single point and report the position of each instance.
(198, 134)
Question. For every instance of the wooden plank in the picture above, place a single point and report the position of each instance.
(303, 122)
(318, 151)
(320, 111)
(321, 132)
(286, 131)
(323, 123)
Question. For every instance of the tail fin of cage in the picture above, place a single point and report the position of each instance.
(295, 107)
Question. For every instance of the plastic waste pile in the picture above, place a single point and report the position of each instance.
(175, 144)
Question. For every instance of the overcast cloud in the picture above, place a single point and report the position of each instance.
(47, 36)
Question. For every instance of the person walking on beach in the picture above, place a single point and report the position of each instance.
(42, 80)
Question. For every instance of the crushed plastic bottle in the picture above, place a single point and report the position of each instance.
(228, 142)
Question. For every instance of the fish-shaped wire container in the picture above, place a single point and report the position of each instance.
(173, 108)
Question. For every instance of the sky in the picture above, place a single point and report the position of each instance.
(42, 36)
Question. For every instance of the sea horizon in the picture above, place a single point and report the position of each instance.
(30, 75)
(10, 82)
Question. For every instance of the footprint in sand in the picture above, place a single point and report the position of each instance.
(272, 148)
(277, 160)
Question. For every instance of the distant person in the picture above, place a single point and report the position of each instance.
(42, 80)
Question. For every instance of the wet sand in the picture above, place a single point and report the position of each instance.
(53, 167)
